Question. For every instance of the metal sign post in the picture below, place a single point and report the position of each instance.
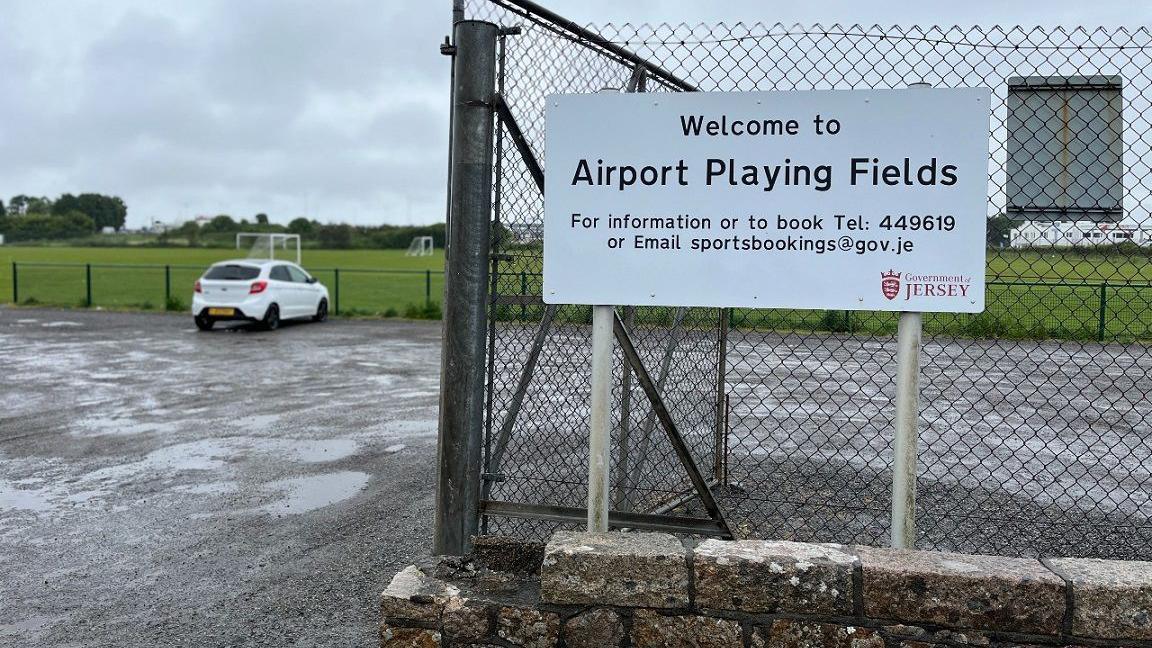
(904, 445)
(599, 452)
(600, 402)
(906, 435)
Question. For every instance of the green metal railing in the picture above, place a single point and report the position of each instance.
(368, 291)
(1022, 309)
(1029, 308)
(1015, 308)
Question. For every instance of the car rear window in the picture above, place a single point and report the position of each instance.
(232, 273)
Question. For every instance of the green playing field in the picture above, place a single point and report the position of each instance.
(1031, 294)
(371, 281)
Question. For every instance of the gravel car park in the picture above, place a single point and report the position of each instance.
(159, 486)
(163, 487)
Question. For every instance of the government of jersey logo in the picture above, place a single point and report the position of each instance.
(890, 283)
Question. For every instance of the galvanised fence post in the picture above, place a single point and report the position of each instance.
(88, 284)
(461, 425)
(336, 293)
(1103, 311)
(427, 287)
(15, 285)
(167, 286)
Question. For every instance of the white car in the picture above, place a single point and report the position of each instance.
(257, 290)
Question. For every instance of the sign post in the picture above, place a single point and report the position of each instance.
(599, 452)
(840, 200)
(906, 431)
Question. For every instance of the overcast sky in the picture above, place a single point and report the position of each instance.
(333, 109)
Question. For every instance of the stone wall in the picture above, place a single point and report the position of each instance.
(652, 589)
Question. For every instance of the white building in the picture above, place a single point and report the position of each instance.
(1077, 234)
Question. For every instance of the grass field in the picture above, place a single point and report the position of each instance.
(1031, 294)
(1069, 266)
(372, 282)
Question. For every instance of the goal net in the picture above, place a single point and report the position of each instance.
(420, 246)
(265, 245)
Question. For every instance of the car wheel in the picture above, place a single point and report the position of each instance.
(272, 318)
(203, 323)
(321, 311)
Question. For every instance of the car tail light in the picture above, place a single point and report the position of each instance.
(257, 287)
(197, 287)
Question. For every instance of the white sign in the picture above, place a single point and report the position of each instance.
(858, 199)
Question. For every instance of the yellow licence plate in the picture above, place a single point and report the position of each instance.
(221, 312)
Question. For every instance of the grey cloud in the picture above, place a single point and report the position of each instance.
(233, 107)
(334, 109)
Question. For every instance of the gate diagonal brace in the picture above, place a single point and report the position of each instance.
(505, 433)
(681, 448)
(628, 474)
(517, 135)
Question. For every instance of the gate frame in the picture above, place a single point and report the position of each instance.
(464, 484)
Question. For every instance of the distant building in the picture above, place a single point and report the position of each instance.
(1077, 234)
(107, 229)
(526, 232)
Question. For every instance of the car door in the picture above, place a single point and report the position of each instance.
(306, 292)
(284, 291)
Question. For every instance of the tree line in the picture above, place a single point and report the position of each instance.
(221, 231)
(29, 218)
(69, 217)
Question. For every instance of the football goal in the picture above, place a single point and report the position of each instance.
(264, 245)
(421, 246)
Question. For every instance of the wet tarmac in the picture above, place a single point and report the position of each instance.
(164, 487)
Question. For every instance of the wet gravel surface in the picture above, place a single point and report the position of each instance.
(1026, 448)
(164, 487)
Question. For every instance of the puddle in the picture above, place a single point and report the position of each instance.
(197, 455)
(99, 426)
(304, 494)
(214, 454)
(319, 451)
(209, 459)
(84, 497)
(59, 324)
(23, 500)
(393, 449)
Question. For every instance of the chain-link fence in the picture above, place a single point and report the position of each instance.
(1035, 417)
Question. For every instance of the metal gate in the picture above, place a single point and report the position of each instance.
(1034, 429)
